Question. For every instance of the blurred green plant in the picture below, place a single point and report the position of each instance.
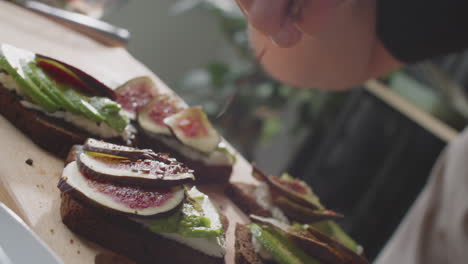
(251, 102)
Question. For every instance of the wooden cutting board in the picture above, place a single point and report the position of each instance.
(31, 190)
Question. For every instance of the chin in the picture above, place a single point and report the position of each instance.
(299, 79)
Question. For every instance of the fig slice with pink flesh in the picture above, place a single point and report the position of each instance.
(310, 244)
(193, 128)
(142, 172)
(118, 151)
(121, 199)
(151, 116)
(136, 93)
(294, 189)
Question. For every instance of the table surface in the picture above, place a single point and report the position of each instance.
(31, 190)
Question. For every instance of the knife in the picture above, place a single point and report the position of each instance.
(99, 30)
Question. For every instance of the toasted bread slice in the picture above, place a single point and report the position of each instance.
(244, 249)
(243, 195)
(127, 237)
(124, 236)
(54, 135)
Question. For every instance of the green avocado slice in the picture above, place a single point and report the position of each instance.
(196, 218)
(22, 66)
(82, 104)
(110, 110)
(282, 249)
(333, 230)
(27, 68)
(12, 60)
(38, 76)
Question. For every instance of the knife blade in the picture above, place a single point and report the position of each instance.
(101, 31)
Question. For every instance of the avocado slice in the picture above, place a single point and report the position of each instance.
(12, 60)
(82, 104)
(95, 108)
(110, 110)
(27, 68)
(49, 88)
(282, 249)
(197, 218)
(333, 230)
(62, 74)
(52, 96)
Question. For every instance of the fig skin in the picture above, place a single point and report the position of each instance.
(304, 214)
(196, 120)
(204, 174)
(64, 187)
(99, 146)
(298, 198)
(128, 152)
(92, 145)
(151, 92)
(93, 86)
(309, 244)
(136, 181)
(162, 106)
(351, 256)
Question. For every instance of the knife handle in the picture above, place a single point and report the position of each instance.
(99, 30)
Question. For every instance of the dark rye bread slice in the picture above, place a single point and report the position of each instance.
(244, 249)
(203, 173)
(126, 237)
(54, 135)
(243, 195)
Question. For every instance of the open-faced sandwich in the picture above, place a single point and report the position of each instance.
(166, 124)
(58, 106)
(137, 203)
(268, 240)
(282, 207)
(285, 198)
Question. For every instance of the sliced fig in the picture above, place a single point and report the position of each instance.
(350, 255)
(120, 199)
(151, 117)
(74, 77)
(295, 189)
(136, 93)
(303, 214)
(148, 172)
(334, 231)
(277, 247)
(118, 151)
(192, 127)
(12, 61)
(314, 247)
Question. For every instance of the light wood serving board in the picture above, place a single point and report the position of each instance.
(31, 191)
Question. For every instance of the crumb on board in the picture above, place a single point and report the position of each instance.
(52, 230)
(29, 161)
(78, 251)
(71, 241)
